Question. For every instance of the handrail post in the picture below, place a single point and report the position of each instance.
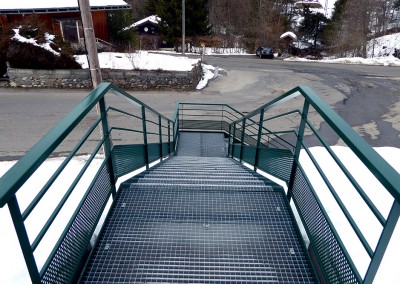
(233, 138)
(300, 136)
(229, 140)
(23, 239)
(222, 116)
(179, 124)
(107, 144)
(160, 136)
(260, 129)
(242, 139)
(383, 243)
(169, 137)
(174, 135)
(146, 150)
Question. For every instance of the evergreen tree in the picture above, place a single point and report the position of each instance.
(170, 12)
(313, 25)
(396, 4)
(334, 28)
(118, 21)
(151, 7)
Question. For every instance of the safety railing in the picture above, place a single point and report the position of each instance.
(56, 226)
(210, 117)
(285, 127)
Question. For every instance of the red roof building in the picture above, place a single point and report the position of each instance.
(62, 16)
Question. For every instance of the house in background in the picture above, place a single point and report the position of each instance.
(150, 33)
(147, 26)
(62, 16)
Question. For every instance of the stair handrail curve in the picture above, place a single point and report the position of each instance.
(15, 178)
(380, 168)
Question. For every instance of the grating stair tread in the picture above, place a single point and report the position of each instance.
(188, 221)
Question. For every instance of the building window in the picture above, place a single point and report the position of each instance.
(70, 29)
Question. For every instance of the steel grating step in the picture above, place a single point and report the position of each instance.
(199, 220)
(209, 187)
(168, 236)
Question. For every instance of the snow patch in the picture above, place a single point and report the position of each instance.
(382, 61)
(49, 38)
(141, 60)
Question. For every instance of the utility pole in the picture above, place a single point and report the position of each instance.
(90, 42)
(92, 55)
(183, 27)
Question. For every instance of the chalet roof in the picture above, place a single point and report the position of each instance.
(54, 6)
(151, 19)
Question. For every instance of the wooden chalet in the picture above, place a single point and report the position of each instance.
(62, 16)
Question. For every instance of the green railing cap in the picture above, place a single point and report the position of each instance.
(12, 180)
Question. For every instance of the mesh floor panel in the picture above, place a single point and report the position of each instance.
(186, 222)
(197, 144)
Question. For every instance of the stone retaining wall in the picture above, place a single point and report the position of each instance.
(125, 79)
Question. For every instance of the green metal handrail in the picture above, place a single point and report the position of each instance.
(251, 140)
(387, 176)
(15, 178)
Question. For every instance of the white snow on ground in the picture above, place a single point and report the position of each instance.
(49, 38)
(209, 73)
(13, 270)
(383, 61)
(384, 45)
(368, 224)
(48, 4)
(141, 60)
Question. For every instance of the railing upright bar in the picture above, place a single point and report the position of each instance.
(222, 116)
(160, 136)
(260, 130)
(242, 139)
(229, 141)
(233, 138)
(169, 137)
(383, 243)
(107, 144)
(146, 149)
(299, 142)
(23, 239)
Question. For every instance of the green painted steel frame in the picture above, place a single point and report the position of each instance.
(241, 130)
(12, 181)
(387, 176)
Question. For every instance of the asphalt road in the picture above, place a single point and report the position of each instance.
(367, 97)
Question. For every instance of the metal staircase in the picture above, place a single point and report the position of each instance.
(200, 219)
(197, 209)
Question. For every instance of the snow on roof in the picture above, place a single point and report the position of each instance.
(56, 4)
(289, 34)
(153, 19)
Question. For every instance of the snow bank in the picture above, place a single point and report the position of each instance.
(49, 40)
(383, 61)
(141, 60)
(384, 45)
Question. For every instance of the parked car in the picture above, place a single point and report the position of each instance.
(265, 52)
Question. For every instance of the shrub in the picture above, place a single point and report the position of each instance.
(26, 55)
